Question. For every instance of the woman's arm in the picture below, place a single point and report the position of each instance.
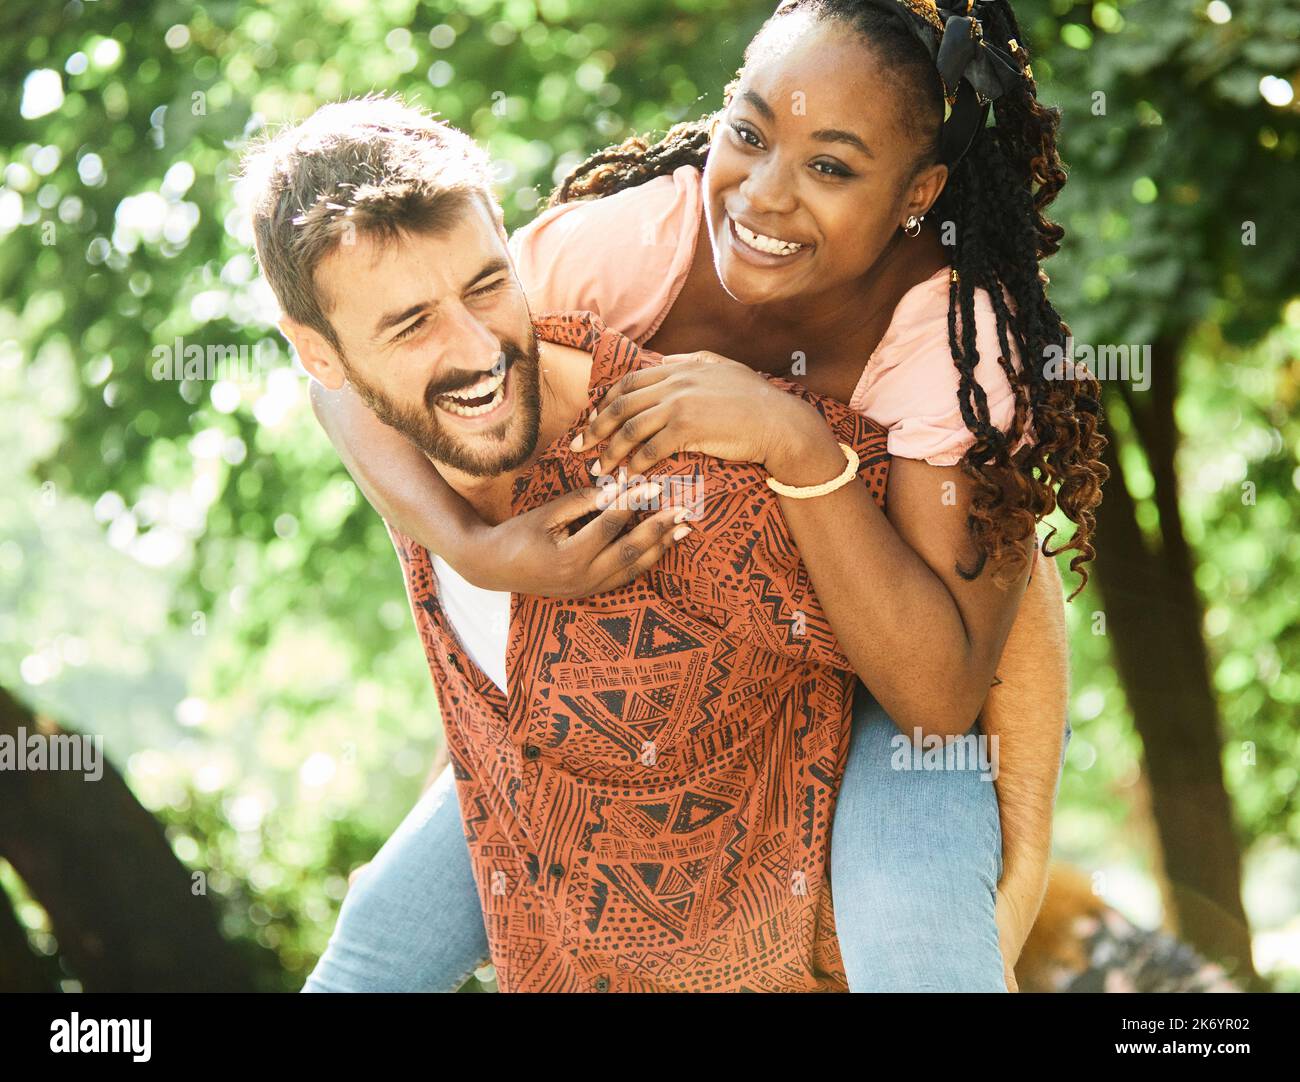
(922, 637)
(925, 639)
(533, 553)
(398, 481)
(900, 642)
(908, 641)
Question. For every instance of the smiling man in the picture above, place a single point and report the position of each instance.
(647, 783)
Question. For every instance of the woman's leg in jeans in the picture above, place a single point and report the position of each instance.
(412, 921)
(915, 860)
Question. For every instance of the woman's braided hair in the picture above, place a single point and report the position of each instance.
(995, 199)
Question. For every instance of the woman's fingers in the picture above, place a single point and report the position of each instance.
(639, 549)
(614, 413)
(617, 509)
(668, 366)
(639, 433)
(635, 381)
(564, 511)
(606, 553)
(703, 356)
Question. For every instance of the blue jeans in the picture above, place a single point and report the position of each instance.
(915, 861)
(412, 921)
(916, 856)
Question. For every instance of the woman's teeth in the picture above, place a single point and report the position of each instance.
(459, 402)
(770, 245)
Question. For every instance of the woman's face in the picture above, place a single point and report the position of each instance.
(810, 172)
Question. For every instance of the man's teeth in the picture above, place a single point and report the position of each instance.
(454, 401)
(452, 406)
(486, 385)
(771, 245)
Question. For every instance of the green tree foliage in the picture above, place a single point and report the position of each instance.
(1183, 140)
(305, 719)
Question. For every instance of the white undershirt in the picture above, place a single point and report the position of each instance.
(480, 618)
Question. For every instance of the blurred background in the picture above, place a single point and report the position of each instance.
(187, 571)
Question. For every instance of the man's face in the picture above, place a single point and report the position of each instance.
(436, 338)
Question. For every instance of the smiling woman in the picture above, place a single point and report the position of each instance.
(807, 196)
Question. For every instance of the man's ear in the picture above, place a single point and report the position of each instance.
(317, 355)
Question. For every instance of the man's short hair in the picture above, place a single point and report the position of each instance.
(371, 166)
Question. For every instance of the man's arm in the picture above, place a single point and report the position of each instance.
(1026, 711)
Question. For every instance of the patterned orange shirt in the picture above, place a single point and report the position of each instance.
(651, 808)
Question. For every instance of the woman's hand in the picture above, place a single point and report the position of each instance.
(535, 553)
(693, 402)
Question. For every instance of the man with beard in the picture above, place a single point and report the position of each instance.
(647, 778)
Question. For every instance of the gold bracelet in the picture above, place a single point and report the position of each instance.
(809, 491)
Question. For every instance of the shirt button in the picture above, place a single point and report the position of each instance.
(532, 751)
(602, 984)
(556, 870)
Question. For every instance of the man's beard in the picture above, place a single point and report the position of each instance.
(506, 446)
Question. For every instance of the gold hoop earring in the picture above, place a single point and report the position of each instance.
(913, 225)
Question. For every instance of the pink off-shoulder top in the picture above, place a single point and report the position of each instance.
(626, 256)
